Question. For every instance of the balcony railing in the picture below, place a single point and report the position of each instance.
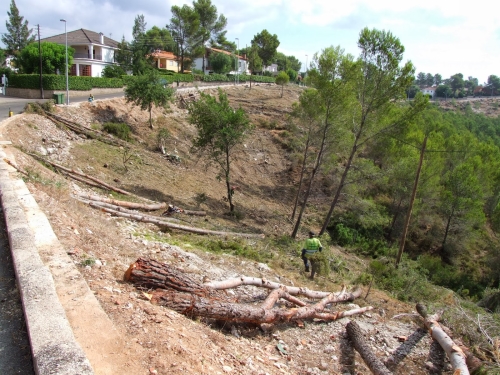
(86, 56)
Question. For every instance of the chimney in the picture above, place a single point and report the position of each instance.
(102, 37)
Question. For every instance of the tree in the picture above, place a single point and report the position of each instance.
(438, 79)
(138, 46)
(457, 82)
(211, 25)
(220, 130)
(444, 91)
(282, 79)
(53, 58)
(183, 26)
(292, 74)
(18, 35)
(267, 44)
(220, 62)
(146, 90)
(494, 82)
(429, 79)
(331, 74)
(159, 39)
(294, 63)
(461, 199)
(254, 60)
(420, 80)
(124, 55)
(382, 82)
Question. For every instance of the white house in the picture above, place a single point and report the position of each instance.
(93, 51)
(242, 66)
(429, 91)
(273, 68)
(166, 60)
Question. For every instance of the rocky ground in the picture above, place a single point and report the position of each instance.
(157, 340)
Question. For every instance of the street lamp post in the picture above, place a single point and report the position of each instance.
(238, 62)
(67, 86)
(307, 68)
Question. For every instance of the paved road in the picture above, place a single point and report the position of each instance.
(15, 351)
(16, 105)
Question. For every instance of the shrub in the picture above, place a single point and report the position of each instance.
(119, 129)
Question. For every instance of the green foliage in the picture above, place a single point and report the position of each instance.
(119, 129)
(162, 137)
(53, 58)
(58, 82)
(292, 74)
(321, 261)
(236, 247)
(220, 62)
(184, 27)
(18, 36)
(220, 129)
(407, 283)
(147, 90)
(267, 45)
(113, 71)
(282, 79)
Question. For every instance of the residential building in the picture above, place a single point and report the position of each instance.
(166, 60)
(243, 62)
(93, 51)
(431, 91)
(273, 68)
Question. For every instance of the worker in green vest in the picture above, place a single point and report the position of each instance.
(311, 246)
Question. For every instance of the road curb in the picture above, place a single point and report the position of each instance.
(53, 344)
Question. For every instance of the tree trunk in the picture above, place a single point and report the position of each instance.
(132, 205)
(447, 230)
(455, 354)
(356, 336)
(187, 296)
(302, 171)
(150, 118)
(410, 207)
(341, 186)
(146, 219)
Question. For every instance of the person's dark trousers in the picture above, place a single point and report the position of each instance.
(306, 264)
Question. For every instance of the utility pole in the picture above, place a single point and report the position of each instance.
(40, 54)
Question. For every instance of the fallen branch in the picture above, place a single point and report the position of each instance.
(455, 354)
(357, 338)
(133, 205)
(15, 167)
(185, 228)
(255, 281)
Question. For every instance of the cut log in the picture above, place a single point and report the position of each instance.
(194, 305)
(185, 228)
(179, 292)
(133, 205)
(455, 354)
(357, 338)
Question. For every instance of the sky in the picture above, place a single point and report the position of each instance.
(440, 36)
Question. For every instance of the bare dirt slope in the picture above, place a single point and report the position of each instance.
(156, 340)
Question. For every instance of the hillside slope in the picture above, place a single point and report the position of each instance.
(156, 340)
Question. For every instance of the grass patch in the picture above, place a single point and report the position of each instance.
(118, 129)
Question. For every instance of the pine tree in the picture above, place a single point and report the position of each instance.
(18, 35)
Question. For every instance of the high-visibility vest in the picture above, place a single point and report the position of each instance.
(312, 245)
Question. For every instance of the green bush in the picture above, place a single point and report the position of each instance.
(119, 129)
(58, 82)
